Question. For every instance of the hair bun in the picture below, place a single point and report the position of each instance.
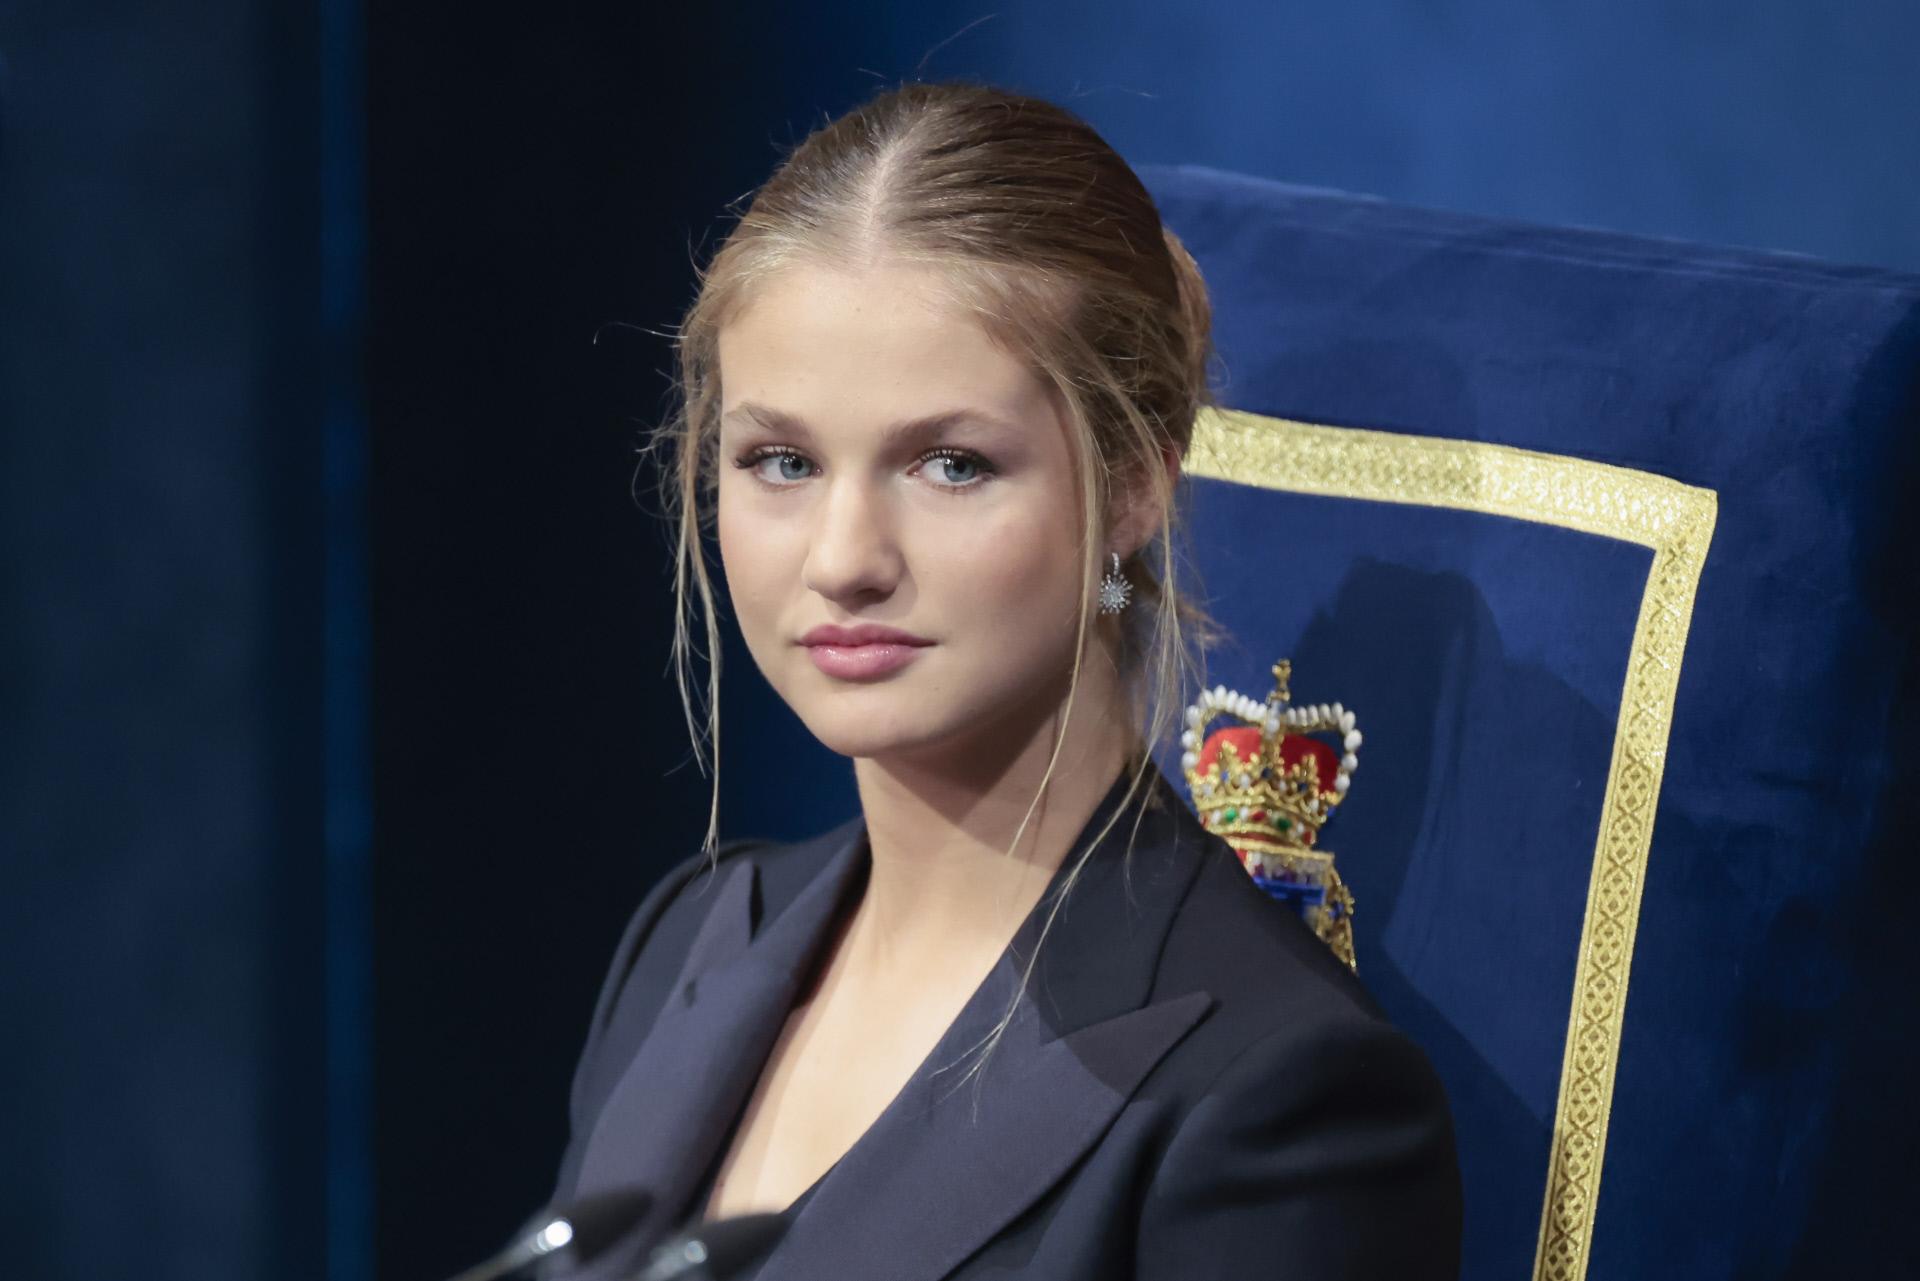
(1196, 312)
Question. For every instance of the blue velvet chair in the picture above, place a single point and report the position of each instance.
(1608, 541)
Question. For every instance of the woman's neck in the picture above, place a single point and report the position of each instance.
(947, 879)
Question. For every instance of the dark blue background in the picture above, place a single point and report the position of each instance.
(336, 745)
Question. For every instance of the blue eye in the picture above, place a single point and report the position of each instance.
(751, 463)
(955, 470)
(973, 469)
(951, 463)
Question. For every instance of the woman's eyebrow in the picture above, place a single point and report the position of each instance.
(911, 429)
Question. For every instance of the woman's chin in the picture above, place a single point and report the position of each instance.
(917, 726)
(871, 741)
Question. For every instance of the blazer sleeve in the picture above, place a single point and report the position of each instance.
(1316, 1155)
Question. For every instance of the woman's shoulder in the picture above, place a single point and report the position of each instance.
(673, 903)
(1279, 991)
(662, 928)
(1248, 944)
(1296, 1085)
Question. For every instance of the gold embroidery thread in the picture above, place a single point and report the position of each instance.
(1674, 521)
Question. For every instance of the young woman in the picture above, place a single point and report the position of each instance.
(1022, 1015)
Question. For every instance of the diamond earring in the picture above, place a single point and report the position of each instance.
(1115, 590)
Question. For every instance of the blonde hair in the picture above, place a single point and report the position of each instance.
(1043, 233)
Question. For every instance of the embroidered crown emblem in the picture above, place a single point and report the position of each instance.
(1267, 788)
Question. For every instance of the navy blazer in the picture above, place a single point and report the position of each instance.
(1192, 1087)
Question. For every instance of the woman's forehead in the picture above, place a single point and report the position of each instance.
(808, 307)
(880, 346)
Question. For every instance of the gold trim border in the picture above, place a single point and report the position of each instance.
(1675, 522)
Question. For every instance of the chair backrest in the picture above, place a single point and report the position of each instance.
(1607, 541)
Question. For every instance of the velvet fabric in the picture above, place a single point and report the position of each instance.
(1759, 1122)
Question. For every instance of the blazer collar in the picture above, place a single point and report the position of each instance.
(940, 1171)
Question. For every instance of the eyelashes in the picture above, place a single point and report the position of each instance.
(751, 460)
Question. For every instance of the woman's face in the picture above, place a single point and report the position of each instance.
(884, 466)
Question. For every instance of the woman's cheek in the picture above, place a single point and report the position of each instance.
(1020, 565)
(747, 553)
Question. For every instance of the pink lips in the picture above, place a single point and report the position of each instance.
(863, 652)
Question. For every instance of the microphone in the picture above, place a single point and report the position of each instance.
(583, 1229)
(716, 1251)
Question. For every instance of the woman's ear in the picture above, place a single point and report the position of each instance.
(1137, 514)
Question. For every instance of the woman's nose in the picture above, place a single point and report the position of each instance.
(853, 553)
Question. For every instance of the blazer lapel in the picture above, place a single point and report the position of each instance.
(947, 1166)
(943, 1168)
(675, 1103)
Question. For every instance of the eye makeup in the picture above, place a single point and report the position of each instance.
(751, 459)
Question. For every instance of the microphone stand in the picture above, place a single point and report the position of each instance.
(583, 1229)
(527, 1248)
(717, 1250)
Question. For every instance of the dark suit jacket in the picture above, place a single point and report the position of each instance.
(1193, 1087)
